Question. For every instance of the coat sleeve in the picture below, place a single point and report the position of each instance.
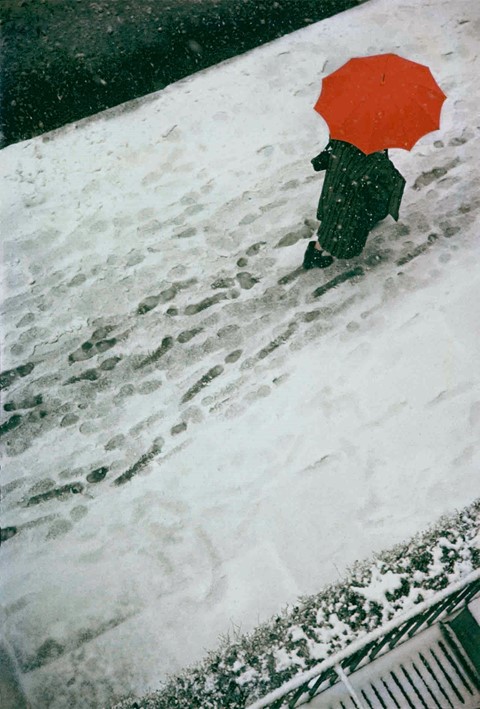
(322, 160)
(385, 187)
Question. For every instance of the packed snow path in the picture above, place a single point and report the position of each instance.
(195, 431)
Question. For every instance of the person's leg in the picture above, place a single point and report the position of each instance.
(316, 257)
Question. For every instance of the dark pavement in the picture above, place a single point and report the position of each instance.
(62, 60)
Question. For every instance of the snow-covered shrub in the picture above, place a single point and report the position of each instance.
(372, 593)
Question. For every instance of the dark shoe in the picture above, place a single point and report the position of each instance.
(316, 259)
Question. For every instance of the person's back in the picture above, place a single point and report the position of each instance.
(340, 160)
(358, 191)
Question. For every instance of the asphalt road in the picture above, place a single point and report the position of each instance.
(62, 60)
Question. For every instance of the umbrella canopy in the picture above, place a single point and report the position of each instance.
(382, 101)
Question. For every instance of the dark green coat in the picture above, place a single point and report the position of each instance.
(359, 190)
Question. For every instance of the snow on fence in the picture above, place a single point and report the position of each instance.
(336, 668)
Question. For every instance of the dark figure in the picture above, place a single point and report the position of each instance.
(359, 190)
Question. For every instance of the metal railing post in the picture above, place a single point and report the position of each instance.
(348, 686)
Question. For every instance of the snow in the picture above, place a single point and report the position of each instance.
(381, 583)
(334, 427)
(248, 676)
(284, 659)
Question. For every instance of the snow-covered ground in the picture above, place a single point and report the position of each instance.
(203, 434)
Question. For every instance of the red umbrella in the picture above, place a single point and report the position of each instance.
(382, 101)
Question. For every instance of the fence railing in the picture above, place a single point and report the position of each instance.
(338, 667)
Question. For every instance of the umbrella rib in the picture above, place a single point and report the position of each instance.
(406, 140)
(372, 130)
(348, 116)
(368, 101)
(435, 118)
(435, 88)
(394, 99)
(425, 110)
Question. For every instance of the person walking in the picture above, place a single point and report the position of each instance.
(369, 104)
(359, 191)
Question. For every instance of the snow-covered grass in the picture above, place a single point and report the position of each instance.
(373, 593)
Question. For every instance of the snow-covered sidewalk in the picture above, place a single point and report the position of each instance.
(195, 433)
